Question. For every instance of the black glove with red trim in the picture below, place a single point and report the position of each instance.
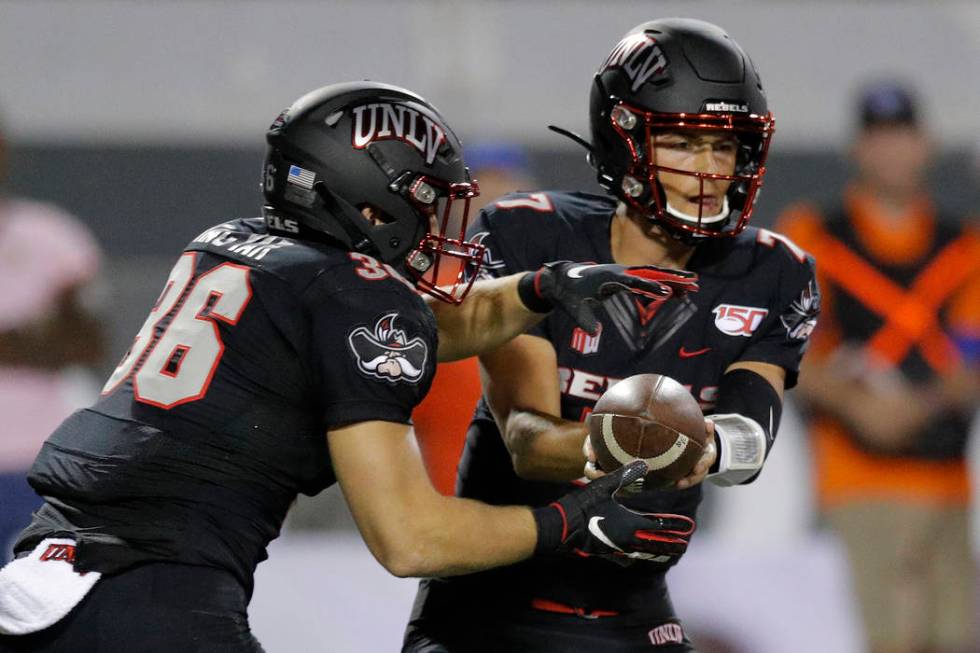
(576, 288)
(589, 522)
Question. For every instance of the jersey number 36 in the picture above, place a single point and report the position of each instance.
(172, 361)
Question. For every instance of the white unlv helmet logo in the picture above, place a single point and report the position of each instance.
(378, 122)
(639, 56)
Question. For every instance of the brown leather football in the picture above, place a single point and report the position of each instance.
(648, 416)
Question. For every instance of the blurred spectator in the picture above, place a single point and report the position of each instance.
(891, 382)
(47, 259)
(443, 417)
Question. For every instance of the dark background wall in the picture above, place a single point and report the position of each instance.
(144, 203)
(149, 201)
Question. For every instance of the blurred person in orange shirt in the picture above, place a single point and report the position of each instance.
(48, 260)
(891, 382)
(443, 417)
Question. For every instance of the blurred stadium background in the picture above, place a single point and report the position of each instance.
(145, 119)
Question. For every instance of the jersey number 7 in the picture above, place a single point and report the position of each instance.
(172, 360)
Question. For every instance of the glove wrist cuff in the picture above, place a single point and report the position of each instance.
(529, 292)
(552, 528)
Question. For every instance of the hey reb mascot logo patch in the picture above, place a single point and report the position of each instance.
(801, 318)
(388, 353)
(490, 262)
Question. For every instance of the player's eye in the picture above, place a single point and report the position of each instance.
(727, 146)
(678, 145)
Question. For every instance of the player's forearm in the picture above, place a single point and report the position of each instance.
(420, 534)
(409, 527)
(544, 447)
(459, 536)
(492, 314)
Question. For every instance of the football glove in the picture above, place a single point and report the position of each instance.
(590, 522)
(576, 288)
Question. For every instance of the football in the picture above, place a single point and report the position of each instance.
(648, 416)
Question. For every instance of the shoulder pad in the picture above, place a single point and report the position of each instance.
(761, 238)
(247, 241)
(357, 270)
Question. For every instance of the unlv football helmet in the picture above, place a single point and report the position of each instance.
(376, 169)
(675, 75)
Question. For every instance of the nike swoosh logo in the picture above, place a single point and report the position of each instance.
(576, 272)
(599, 535)
(683, 353)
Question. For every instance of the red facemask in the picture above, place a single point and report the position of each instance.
(443, 264)
(641, 178)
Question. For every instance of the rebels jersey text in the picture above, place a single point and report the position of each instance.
(758, 302)
(216, 417)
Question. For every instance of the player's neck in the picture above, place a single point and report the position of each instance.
(637, 241)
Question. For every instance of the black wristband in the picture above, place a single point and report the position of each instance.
(552, 528)
(527, 290)
(748, 393)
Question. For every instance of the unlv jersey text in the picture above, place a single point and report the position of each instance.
(378, 122)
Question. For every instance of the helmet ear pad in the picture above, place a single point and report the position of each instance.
(387, 239)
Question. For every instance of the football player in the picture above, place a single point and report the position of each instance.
(284, 354)
(680, 129)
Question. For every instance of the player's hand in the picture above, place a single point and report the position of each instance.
(576, 288)
(680, 282)
(590, 522)
(591, 470)
(708, 458)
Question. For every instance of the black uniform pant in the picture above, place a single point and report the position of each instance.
(443, 621)
(153, 608)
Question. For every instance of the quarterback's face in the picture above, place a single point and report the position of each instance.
(695, 151)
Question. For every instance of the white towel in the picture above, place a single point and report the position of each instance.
(38, 590)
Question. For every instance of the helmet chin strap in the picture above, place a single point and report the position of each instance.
(705, 219)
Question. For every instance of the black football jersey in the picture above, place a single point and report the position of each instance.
(758, 301)
(216, 417)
